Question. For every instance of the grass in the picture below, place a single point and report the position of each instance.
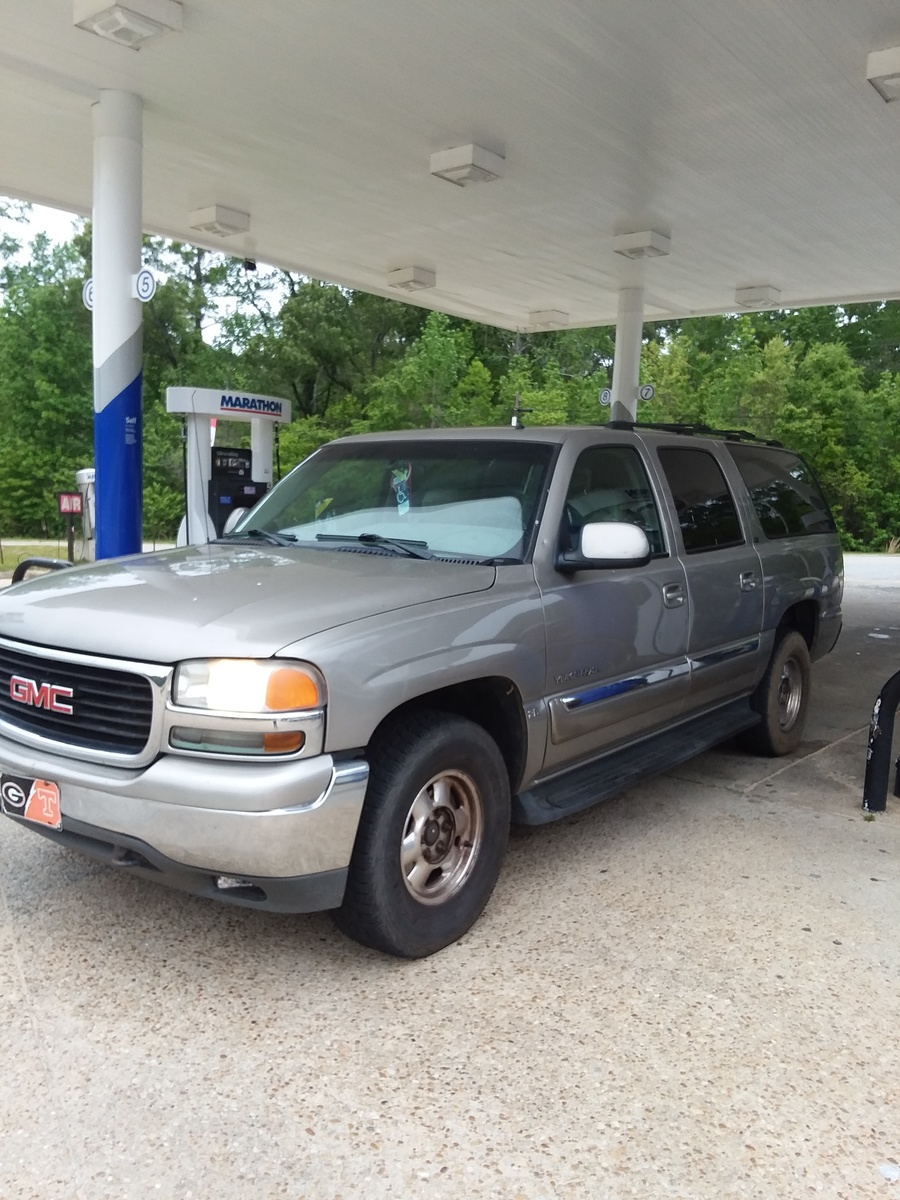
(11, 554)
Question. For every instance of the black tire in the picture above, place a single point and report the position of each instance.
(419, 879)
(781, 699)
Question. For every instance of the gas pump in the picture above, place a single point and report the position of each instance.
(219, 480)
(231, 485)
(85, 481)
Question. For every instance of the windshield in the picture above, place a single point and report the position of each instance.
(458, 499)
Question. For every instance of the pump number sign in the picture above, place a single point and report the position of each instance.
(69, 503)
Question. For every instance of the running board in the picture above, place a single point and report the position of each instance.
(587, 785)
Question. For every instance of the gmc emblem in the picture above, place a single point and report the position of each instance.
(45, 695)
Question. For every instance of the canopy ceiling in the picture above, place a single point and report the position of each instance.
(746, 131)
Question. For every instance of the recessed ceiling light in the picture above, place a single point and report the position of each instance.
(883, 72)
(548, 318)
(647, 244)
(467, 164)
(129, 24)
(411, 279)
(758, 297)
(221, 221)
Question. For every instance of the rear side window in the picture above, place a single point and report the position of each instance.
(785, 495)
(706, 511)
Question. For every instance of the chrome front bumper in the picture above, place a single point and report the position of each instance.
(272, 820)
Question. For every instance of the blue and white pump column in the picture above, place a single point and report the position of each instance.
(117, 323)
(627, 360)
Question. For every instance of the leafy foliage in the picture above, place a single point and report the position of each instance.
(824, 381)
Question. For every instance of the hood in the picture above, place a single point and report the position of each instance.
(221, 601)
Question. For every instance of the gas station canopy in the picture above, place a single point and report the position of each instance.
(740, 144)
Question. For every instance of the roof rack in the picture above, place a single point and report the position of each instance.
(729, 435)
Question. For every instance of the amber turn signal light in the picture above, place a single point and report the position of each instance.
(288, 689)
(282, 743)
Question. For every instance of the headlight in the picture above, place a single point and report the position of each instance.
(248, 685)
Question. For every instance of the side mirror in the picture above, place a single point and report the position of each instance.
(234, 516)
(606, 545)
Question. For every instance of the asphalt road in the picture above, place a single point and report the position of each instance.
(692, 991)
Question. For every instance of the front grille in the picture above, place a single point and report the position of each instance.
(111, 710)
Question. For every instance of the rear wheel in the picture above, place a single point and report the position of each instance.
(781, 699)
(431, 837)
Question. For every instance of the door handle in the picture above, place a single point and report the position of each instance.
(748, 581)
(673, 595)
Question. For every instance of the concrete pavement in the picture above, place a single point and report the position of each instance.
(692, 991)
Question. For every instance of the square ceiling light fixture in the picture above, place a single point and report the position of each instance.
(758, 297)
(883, 72)
(467, 164)
(218, 220)
(130, 24)
(648, 244)
(548, 318)
(411, 279)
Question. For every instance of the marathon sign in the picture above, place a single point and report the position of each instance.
(234, 406)
(251, 404)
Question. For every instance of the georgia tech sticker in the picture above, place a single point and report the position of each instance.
(34, 800)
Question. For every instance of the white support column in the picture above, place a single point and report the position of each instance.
(262, 443)
(627, 361)
(199, 528)
(117, 345)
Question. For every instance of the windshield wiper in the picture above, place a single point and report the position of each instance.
(260, 535)
(401, 545)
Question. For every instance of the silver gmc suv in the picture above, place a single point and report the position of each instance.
(413, 640)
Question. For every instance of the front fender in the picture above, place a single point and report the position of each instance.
(375, 665)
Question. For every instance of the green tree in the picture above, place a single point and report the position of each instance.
(823, 380)
(824, 417)
(422, 390)
(324, 343)
(46, 408)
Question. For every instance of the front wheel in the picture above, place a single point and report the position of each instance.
(781, 699)
(431, 837)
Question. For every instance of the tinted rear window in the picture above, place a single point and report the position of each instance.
(785, 495)
(706, 511)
